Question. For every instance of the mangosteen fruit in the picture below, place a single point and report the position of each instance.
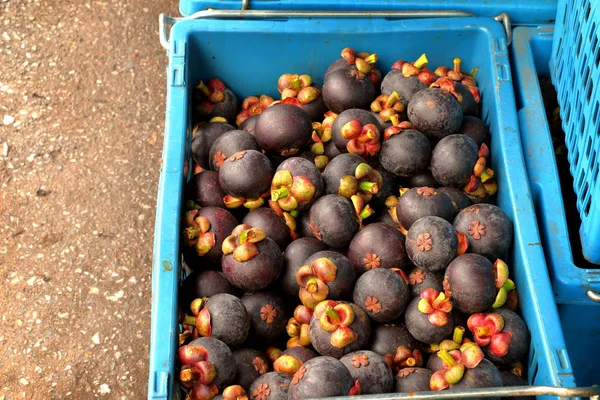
(363, 62)
(249, 124)
(338, 328)
(303, 225)
(321, 377)
(202, 283)
(251, 261)
(206, 362)
(203, 235)
(429, 317)
(333, 220)
(422, 179)
(245, 177)
(268, 316)
(213, 99)
(203, 136)
(435, 363)
(370, 370)
(406, 79)
(421, 279)
(308, 94)
(377, 245)
(204, 190)
(293, 258)
(296, 185)
(274, 226)
(453, 160)
(250, 365)
(348, 175)
(292, 359)
(432, 243)
(457, 196)
(388, 187)
(283, 129)
(421, 202)
(406, 153)
(227, 145)
(356, 131)
(435, 112)
(502, 335)
(270, 386)
(476, 129)
(325, 275)
(412, 379)
(387, 108)
(252, 107)
(470, 283)
(487, 228)
(348, 88)
(387, 338)
(382, 293)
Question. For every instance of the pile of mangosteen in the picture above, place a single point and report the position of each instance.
(342, 239)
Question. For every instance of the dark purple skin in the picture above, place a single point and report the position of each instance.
(420, 202)
(385, 218)
(302, 354)
(519, 345)
(283, 129)
(202, 283)
(277, 383)
(333, 221)
(273, 225)
(221, 224)
(388, 287)
(342, 165)
(261, 330)
(303, 225)
(423, 179)
(316, 109)
(345, 277)
(365, 117)
(249, 123)
(469, 282)
(221, 357)
(293, 258)
(375, 377)
(453, 159)
(419, 326)
(320, 338)
(203, 139)
(388, 337)
(412, 379)
(434, 363)
(340, 63)
(258, 272)
(495, 230)
(331, 151)
(479, 200)
(321, 377)
(436, 252)
(483, 376)
(342, 91)
(249, 363)
(468, 103)
(228, 144)
(227, 108)
(510, 379)
(388, 188)
(229, 320)
(298, 166)
(205, 190)
(249, 177)
(476, 129)
(406, 87)
(457, 196)
(380, 240)
(435, 112)
(405, 154)
(420, 279)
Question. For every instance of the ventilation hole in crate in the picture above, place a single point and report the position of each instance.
(581, 179)
(586, 72)
(587, 205)
(575, 158)
(579, 40)
(567, 113)
(588, 8)
(594, 167)
(588, 147)
(592, 33)
(595, 112)
(583, 123)
(583, 196)
(590, 89)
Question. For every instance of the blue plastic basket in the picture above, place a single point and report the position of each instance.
(207, 48)
(531, 51)
(575, 70)
(524, 12)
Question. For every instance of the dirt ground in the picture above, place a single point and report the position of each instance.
(82, 93)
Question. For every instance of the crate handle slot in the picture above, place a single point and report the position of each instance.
(594, 296)
(165, 21)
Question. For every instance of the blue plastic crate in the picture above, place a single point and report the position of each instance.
(575, 70)
(207, 48)
(531, 51)
(529, 12)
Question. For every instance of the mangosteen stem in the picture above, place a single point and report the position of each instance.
(394, 119)
(189, 320)
(280, 193)
(457, 337)
(483, 331)
(203, 88)
(366, 212)
(447, 358)
(371, 59)
(421, 61)
(370, 187)
(333, 315)
(457, 62)
(392, 98)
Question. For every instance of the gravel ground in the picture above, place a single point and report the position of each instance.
(81, 121)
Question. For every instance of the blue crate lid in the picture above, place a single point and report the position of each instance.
(575, 71)
(523, 12)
